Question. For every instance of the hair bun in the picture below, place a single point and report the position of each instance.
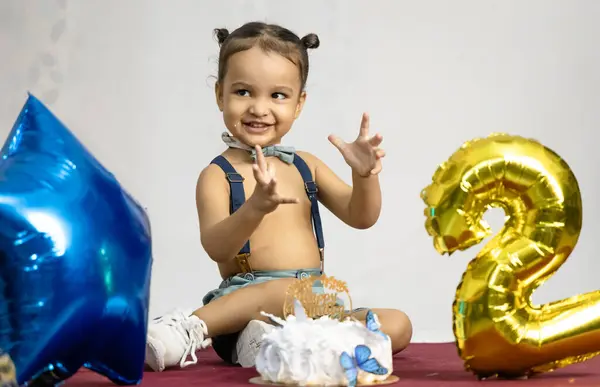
(310, 41)
(221, 34)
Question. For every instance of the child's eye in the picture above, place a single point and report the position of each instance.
(278, 96)
(242, 93)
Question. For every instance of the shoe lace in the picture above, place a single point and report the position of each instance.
(195, 330)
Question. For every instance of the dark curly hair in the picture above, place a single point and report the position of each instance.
(270, 38)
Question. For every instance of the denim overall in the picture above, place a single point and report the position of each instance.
(225, 345)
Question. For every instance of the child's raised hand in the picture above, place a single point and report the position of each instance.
(363, 155)
(265, 197)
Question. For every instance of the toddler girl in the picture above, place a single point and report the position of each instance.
(264, 243)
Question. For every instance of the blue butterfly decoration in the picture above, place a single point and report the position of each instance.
(362, 360)
(373, 325)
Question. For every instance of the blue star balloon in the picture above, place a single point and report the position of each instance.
(75, 259)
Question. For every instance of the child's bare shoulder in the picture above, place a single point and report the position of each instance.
(212, 195)
(311, 160)
(209, 173)
(210, 177)
(316, 165)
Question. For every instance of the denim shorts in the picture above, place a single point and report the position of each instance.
(225, 345)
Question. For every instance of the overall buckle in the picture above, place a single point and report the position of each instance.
(322, 256)
(243, 261)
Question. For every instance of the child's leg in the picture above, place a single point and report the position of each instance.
(231, 313)
(394, 323)
(171, 341)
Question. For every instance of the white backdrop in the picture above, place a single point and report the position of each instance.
(134, 80)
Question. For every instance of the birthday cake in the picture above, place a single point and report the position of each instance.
(324, 351)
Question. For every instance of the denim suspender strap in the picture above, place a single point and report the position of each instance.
(236, 199)
(311, 190)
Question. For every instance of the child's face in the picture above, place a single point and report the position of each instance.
(260, 96)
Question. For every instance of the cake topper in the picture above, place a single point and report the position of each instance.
(320, 296)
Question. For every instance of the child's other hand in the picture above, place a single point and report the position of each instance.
(363, 155)
(265, 197)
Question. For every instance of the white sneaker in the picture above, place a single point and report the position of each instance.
(173, 337)
(249, 342)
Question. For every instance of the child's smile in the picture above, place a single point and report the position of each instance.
(256, 126)
(260, 96)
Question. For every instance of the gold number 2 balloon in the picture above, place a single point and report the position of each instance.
(498, 331)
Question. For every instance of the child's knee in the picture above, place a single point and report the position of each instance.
(398, 327)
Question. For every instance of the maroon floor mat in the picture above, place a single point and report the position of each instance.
(431, 365)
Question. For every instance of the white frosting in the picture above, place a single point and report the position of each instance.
(305, 352)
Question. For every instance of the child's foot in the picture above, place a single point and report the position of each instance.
(249, 342)
(173, 337)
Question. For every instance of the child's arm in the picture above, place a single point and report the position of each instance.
(223, 235)
(358, 206)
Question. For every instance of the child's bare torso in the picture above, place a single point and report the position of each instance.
(284, 240)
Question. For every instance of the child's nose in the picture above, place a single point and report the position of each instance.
(259, 107)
